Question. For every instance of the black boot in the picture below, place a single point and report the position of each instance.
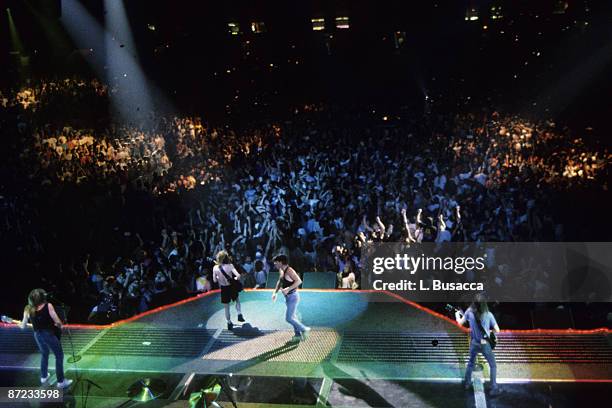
(240, 318)
(230, 325)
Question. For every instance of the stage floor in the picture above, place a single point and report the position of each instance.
(361, 337)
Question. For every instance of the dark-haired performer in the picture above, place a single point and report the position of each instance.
(43, 318)
(223, 273)
(478, 312)
(288, 283)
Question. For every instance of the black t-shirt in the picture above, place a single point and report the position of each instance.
(42, 319)
(285, 283)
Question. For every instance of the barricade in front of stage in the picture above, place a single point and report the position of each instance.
(312, 280)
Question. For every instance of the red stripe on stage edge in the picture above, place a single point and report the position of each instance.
(427, 310)
(553, 380)
(158, 309)
(601, 330)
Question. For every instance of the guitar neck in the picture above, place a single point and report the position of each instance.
(18, 323)
(15, 322)
(450, 307)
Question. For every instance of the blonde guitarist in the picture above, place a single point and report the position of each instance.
(47, 325)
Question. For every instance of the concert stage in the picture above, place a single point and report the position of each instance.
(365, 349)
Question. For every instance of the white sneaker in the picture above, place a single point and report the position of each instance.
(306, 333)
(44, 379)
(64, 384)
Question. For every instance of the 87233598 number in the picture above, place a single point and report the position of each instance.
(8, 394)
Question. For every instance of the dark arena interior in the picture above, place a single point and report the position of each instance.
(305, 203)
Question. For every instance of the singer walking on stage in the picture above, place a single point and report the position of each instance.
(288, 283)
(47, 328)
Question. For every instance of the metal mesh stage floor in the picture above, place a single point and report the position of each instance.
(355, 335)
(391, 348)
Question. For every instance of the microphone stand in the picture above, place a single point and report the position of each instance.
(75, 358)
(226, 388)
(89, 385)
(64, 317)
(216, 380)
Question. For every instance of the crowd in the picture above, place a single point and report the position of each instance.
(152, 203)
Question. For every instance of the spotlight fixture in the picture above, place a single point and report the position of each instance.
(318, 24)
(342, 23)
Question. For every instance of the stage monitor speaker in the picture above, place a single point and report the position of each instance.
(319, 280)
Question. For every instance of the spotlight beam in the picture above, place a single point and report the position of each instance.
(133, 99)
(130, 97)
(16, 43)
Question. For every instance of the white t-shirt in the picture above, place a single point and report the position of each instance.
(229, 271)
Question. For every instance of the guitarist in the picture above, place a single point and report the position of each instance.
(228, 278)
(47, 329)
(481, 322)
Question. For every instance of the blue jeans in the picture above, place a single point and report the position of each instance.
(487, 352)
(46, 340)
(292, 301)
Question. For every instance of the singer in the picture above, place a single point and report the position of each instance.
(288, 283)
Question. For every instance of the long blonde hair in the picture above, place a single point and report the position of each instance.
(36, 298)
(222, 258)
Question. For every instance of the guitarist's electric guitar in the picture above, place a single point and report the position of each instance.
(56, 330)
(491, 338)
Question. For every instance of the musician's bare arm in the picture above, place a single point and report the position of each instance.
(24, 320)
(460, 317)
(277, 287)
(54, 316)
(235, 272)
